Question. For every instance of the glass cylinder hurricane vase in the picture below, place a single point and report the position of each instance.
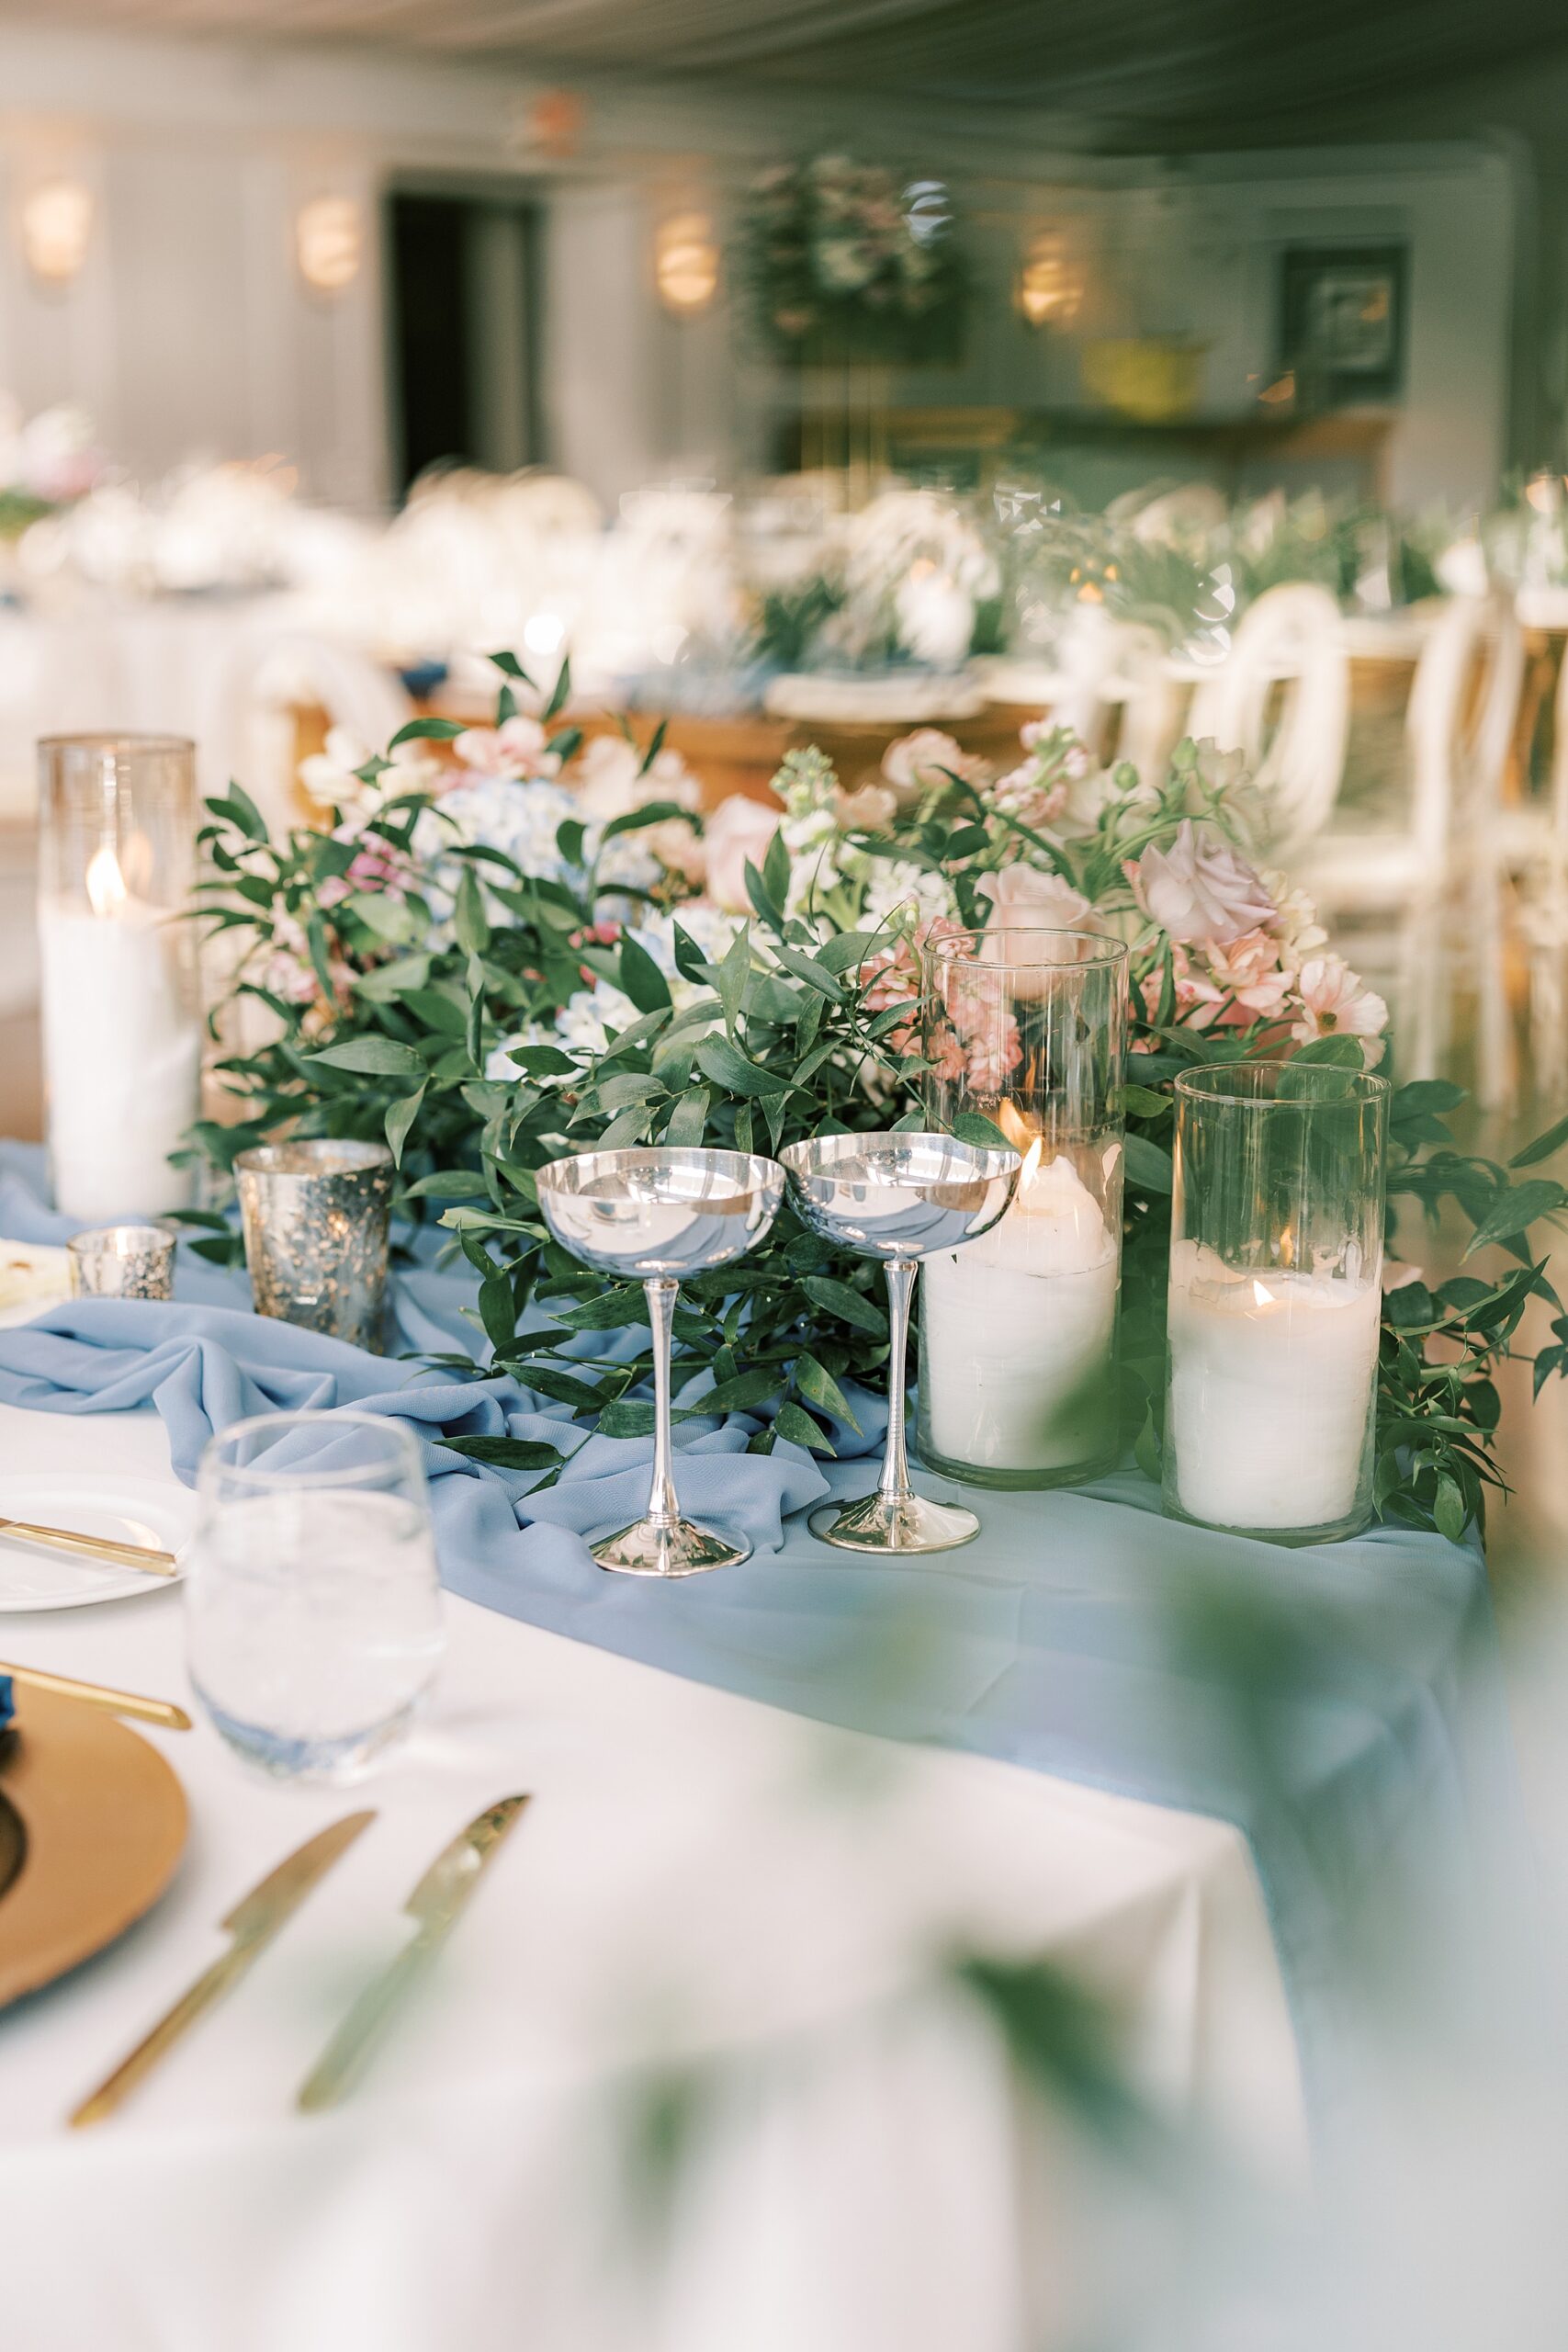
(1026, 1027)
(1275, 1301)
(121, 1015)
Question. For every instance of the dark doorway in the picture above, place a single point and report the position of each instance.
(463, 281)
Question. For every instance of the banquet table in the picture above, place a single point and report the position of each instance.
(698, 1873)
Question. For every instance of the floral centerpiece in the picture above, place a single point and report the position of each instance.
(849, 262)
(46, 461)
(533, 947)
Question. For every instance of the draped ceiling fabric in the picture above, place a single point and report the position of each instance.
(1171, 68)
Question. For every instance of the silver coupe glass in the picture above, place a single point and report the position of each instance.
(654, 1214)
(897, 1197)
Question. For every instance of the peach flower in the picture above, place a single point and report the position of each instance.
(1198, 888)
(736, 835)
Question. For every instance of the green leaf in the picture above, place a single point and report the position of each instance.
(241, 810)
(850, 1304)
(505, 1453)
(641, 977)
(729, 1067)
(449, 1184)
(429, 730)
(655, 745)
(560, 692)
(615, 1309)
(776, 870)
(807, 969)
(1449, 1509)
(757, 892)
(543, 1062)
(438, 1011)
(971, 1127)
(689, 1118)
(399, 1120)
(798, 1425)
(1542, 1148)
(1515, 1209)
(1149, 1167)
(496, 1310)
(468, 918)
(741, 1395)
(1333, 1053)
(509, 667)
(1142, 1103)
(627, 1417)
(370, 1057)
(818, 1385)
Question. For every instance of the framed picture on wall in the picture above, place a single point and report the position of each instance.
(1342, 321)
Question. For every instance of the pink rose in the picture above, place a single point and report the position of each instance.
(922, 761)
(1200, 889)
(1023, 894)
(515, 748)
(736, 835)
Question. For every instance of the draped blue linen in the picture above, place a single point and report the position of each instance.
(1342, 1705)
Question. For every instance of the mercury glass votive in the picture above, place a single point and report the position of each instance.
(899, 1197)
(653, 1213)
(316, 1216)
(118, 816)
(1276, 1299)
(1026, 1027)
(122, 1262)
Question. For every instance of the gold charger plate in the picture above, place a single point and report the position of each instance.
(102, 1821)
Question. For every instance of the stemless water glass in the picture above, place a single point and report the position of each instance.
(312, 1603)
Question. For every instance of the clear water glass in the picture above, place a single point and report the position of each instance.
(312, 1599)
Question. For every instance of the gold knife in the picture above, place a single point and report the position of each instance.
(97, 1548)
(436, 1903)
(253, 1924)
(100, 1694)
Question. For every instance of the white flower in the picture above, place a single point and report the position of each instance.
(913, 889)
(1200, 889)
(611, 781)
(1296, 926)
(1335, 1003)
(936, 618)
(329, 775)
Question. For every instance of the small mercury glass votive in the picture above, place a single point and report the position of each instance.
(122, 1262)
(316, 1216)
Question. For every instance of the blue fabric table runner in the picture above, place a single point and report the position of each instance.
(1359, 1732)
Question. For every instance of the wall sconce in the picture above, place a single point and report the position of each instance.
(1050, 284)
(685, 264)
(328, 242)
(57, 225)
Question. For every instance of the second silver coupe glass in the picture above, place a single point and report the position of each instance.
(653, 1213)
(898, 1197)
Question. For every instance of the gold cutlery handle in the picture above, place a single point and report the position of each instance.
(94, 1547)
(343, 2060)
(98, 1694)
(209, 1987)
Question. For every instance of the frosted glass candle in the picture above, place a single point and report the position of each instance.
(1272, 1383)
(1018, 1329)
(121, 1024)
(1275, 1303)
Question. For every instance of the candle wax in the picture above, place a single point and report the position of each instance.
(1019, 1327)
(122, 1057)
(1272, 1383)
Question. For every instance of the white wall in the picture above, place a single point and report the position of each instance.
(190, 325)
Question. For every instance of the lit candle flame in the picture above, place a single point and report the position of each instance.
(1287, 1248)
(1262, 1294)
(106, 883)
(1024, 1138)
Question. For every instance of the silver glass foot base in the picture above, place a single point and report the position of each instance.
(912, 1525)
(668, 1548)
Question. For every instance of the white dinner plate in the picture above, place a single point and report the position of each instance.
(131, 1509)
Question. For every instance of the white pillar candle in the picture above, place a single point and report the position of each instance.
(121, 1049)
(1271, 1387)
(1018, 1330)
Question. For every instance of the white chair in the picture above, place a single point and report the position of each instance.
(1402, 881)
(1282, 699)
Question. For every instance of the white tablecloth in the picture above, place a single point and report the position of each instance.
(697, 1874)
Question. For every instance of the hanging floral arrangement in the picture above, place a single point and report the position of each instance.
(851, 262)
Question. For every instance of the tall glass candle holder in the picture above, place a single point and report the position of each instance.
(121, 1013)
(1026, 1027)
(1275, 1299)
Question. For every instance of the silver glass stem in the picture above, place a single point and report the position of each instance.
(894, 1484)
(664, 1510)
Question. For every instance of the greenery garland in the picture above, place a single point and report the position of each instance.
(423, 983)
